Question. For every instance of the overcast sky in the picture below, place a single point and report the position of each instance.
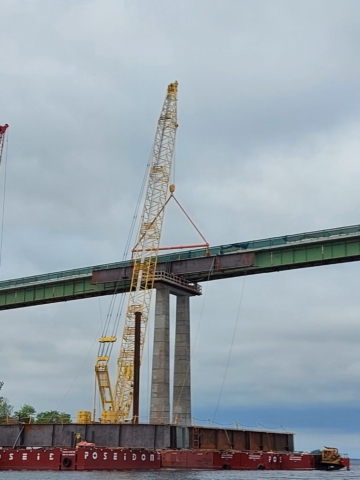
(268, 144)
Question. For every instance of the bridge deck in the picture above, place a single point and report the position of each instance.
(244, 258)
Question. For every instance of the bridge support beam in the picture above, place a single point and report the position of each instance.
(182, 378)
(160, 384)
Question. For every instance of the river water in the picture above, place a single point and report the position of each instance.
(354, 473)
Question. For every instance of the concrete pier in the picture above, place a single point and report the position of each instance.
(160, 385)
(182, 378)
(165, 286)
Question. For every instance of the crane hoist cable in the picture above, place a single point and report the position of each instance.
(116, 403)
(111, 325)
(108, 320)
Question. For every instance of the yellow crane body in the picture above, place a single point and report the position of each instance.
(117, 402)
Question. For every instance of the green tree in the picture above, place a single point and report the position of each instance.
(5, 408)
(26, 414)
(53, 416)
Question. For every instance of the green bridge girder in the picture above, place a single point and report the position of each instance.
(245, 258)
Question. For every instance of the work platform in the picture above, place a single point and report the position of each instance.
(302, 250)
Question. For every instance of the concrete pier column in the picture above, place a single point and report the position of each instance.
(160, 384)
(182, 385)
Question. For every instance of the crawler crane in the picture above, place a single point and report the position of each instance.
(117, 402)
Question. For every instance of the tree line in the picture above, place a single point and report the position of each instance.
(28, 414)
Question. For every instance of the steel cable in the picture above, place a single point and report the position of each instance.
(4, 197)
(230, 351)
(197, 331)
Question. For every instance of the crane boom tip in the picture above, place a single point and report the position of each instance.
(172, 88)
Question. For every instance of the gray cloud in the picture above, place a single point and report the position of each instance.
(268, 144)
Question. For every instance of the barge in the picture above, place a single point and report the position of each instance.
(153, 447)
(105, 458)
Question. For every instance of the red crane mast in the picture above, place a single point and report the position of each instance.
(3, 129)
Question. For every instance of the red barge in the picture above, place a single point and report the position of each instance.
(154, 447)
(164, 447)
(105, 458)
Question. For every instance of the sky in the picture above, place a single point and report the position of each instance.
(268, 144)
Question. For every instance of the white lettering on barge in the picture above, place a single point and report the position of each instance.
(105, 456)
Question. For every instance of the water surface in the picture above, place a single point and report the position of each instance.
(353, 474)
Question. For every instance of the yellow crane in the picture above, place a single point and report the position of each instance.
(117, 402)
